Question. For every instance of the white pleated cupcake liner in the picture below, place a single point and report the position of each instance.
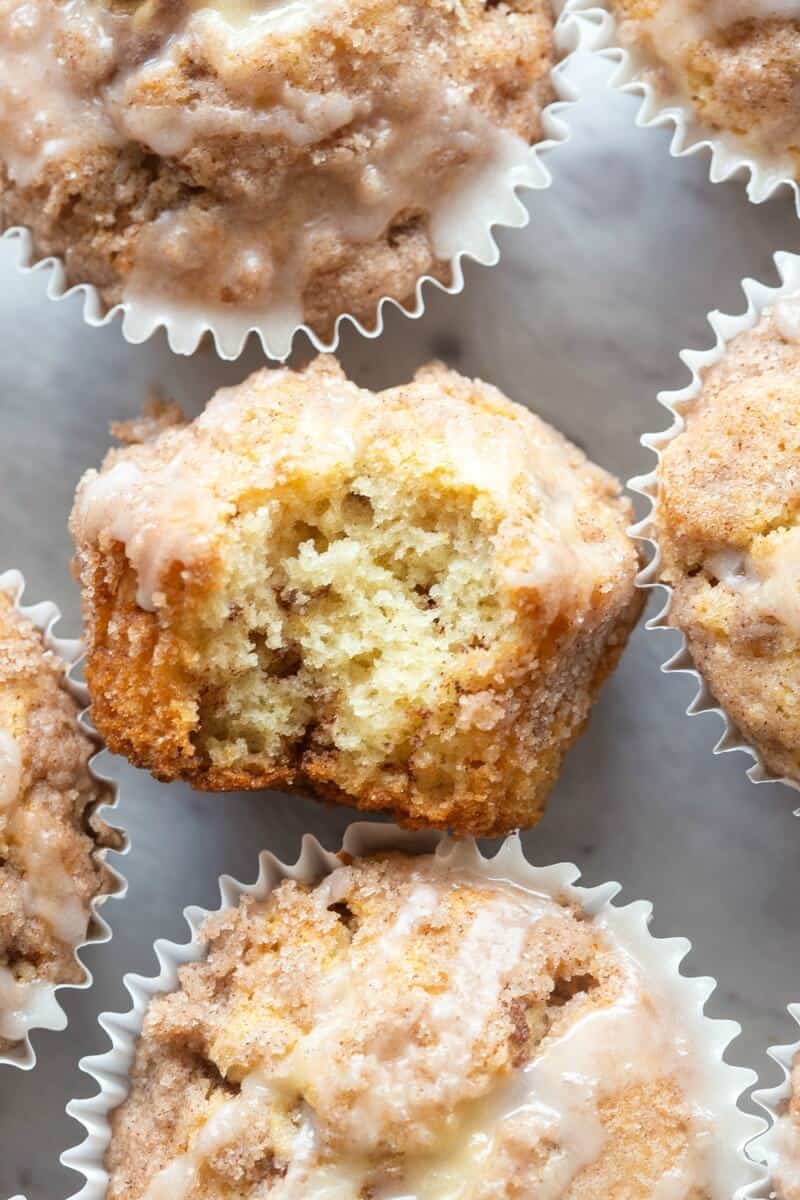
(184, 331)
(725, 327)
(728, 156)
(51, 1015)
(660, 958)
(765, 1149)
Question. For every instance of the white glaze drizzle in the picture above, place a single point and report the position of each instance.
(232, 1118)
(160, 517)
(10, 770)
(358, 206)
(44, 121)
(676, 27)
(22, 1004)
(554, 1098)
(48, 890)
(769, 578)
(258, 255)
(172, 511)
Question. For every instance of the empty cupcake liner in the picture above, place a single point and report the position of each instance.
(728, 157)
(725, 327)
(185, 330)
(661, 958)
(767, 1149)
(50, 1015)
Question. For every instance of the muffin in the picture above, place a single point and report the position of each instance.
(735, 63)
(784, 1144)
(49, 833)
(264, 164)
(405, 601)
(725, 522)
(406, 1028)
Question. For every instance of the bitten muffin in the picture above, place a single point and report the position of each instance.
(286, 161)
(49, 834)
(404, 600)
(736, 63)
(405, 1029)
(726, 524)
(783, 1142)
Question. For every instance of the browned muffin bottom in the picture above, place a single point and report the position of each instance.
(726, 517)
(736, 62)
(49, 872)
(405, 600)
(403, 1030)
(232, 159)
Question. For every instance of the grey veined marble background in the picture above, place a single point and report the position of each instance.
(582, 320)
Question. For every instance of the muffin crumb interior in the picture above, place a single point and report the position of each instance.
(316, 585)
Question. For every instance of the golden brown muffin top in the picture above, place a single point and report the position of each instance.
(48, 837)
(404, 600)
(736, 62)
(406, 1029)
(236, 155)
(728, 499)
(169, 500)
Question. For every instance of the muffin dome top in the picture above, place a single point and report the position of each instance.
(405, 1029)
(405, 599)
(736, 62)
(171, 498)
(728, 501)
(48, 835)
(283, 161)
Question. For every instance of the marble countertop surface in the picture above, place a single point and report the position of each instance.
(582, 320)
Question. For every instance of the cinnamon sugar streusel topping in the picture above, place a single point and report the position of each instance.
(285, 160)
(783, 1142)
(406, 1030)
(48, 835)
(736, 62)
(316, 586)
(727, 515)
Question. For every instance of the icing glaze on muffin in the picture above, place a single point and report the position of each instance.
(264, 163)
(406, 1029)
(726, 516)
(49, 872)
(404, 600)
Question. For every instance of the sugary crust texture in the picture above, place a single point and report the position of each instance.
(57, 796)
(477, 747)
(784, 1159)
(741, 76)
(96, 205)
(254, 996)
(731, 481)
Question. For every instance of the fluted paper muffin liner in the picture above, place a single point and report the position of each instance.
(50, 1015)
(728, 157)
(725, 327)
(766, 1148)
(660, 958)
(185, 330)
